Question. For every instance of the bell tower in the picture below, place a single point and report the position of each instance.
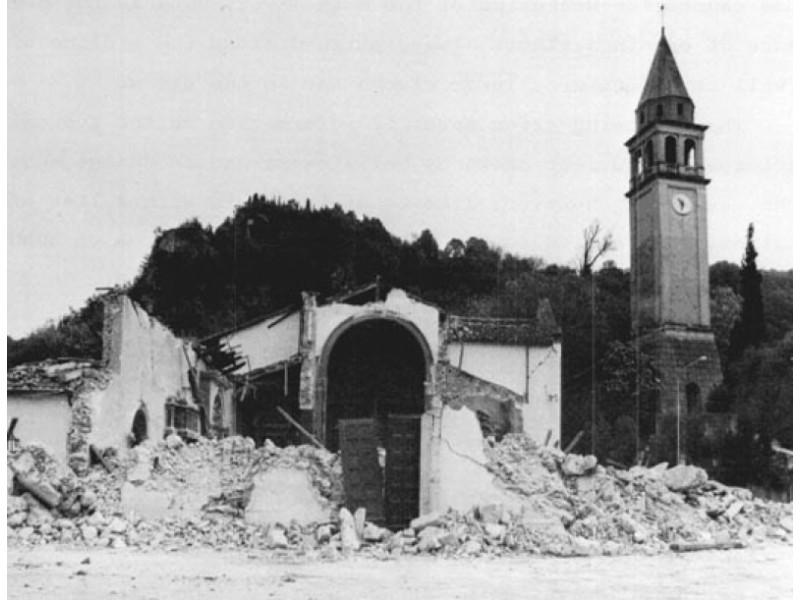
(669, 253)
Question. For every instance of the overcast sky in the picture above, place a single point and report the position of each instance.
(502, 120)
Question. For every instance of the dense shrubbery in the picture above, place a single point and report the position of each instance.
(79, 334)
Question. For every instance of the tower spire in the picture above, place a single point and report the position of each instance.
(663, 34)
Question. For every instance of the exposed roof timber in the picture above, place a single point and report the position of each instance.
(276, 367)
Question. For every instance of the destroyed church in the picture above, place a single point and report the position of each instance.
(404, 391)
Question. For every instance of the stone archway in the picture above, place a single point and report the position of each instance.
(389, 323)
(374, 377)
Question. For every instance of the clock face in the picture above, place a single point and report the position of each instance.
(682, 204)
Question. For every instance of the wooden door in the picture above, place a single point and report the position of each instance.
(402, 470)
(363, 479)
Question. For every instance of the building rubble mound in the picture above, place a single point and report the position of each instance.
(173, 495)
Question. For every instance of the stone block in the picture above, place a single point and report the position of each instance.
(360, 518)
(282, 494)
(15, 504)
(494, 531)
(684, 477)
(347, 530)
(548, 524)
(148, 504)
(491, 513)
(574, 464)
(373, 533)
(427, 520)
(276, 537)
(17, 519)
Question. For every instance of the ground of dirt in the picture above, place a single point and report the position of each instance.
(53, 571)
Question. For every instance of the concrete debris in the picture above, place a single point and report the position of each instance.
(347, 528)
(428, 520)
(684, 477)
(575, 465)
(199, 494)
(276, 537)
(55, 375)
(372, 533)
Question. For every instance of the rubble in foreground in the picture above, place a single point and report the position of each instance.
(569, 505)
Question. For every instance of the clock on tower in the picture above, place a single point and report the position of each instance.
(669, 253)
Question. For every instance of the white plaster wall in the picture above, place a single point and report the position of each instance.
(500, 364)
(41, 419)
(461, 480)
(506, 365)
(398, 304)
(151, 367)
(542, 412)
(265, 345)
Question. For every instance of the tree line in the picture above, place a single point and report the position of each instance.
(199, 280)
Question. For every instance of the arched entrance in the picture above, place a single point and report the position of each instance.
(373, 375)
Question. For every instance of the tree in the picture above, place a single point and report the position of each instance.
(595, 247)
(750, 329)
(726, 306)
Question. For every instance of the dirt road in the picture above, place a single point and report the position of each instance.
(53, 572)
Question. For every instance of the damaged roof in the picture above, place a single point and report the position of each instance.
(53, 375)
(542, 331)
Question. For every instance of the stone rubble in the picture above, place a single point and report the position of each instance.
(570, 505)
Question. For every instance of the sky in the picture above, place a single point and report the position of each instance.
(502, 120)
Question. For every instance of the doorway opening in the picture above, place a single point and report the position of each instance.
(376, 370)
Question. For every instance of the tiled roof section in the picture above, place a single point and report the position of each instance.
(542, 331)
(664, 78)
(53, 375)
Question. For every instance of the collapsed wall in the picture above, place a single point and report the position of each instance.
(228, 494)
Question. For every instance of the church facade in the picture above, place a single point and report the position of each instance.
(669, 254)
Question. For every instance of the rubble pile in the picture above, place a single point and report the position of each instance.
(568, 505)
(323, 468)
(55, 374)
(602, 508)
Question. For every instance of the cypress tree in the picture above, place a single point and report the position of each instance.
(749, 329)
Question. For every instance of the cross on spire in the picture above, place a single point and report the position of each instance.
(662, 19)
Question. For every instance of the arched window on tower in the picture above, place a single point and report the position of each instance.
(648, 154)
(671, 150)
(693, 398)
(638, 166)
(689, 153)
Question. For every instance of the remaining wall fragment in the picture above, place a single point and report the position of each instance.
(463, 478)
(281, 495)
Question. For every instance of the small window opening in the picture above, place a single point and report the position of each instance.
(139, 429)
(641, 118)
(693, 398)
(689, 153)
(671, 148)
(648, 154)
(216, 414)
(638, 164)
(660, 111)
(680, 108)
